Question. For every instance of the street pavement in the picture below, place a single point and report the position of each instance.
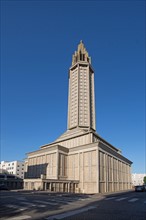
(23, 205)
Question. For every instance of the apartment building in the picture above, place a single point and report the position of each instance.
(137, 178)
(13, 167)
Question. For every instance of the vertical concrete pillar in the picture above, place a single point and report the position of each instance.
(105, 175)
(50, 186)
(118, 188)
(78, 166)
(68, 187)
(42, 185)
(106, 171)
(130, 181)
(57, 164)
(112, 170)
(83, 173)
(45, 186)
(97, 168)
(78, 92)
(122, 177)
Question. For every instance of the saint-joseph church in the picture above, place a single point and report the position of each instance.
(79, 160)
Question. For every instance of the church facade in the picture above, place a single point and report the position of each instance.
(79, 160)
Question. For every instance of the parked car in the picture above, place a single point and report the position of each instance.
(144, 187)
(139, 188)
(3, 187)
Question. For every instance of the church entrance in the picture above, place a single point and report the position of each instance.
(60, 186)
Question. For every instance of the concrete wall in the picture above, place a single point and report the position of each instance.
(82, 166)
(95, 168)
(77, 141)
(114, 174)
(33, 184)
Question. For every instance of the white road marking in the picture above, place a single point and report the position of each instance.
(21, 198)
(61, 201)
(71, 213)
(12, 206)
(110, 198)
(28, 204)
(83, 199)
(4, 197)
(22, 209)
(66, 199)
(23, 217)
(133, 200)
(19, 208)
(120, 199)
(41, 206)
(46, 203)
(32, 204)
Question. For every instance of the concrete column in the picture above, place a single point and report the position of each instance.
(68, 187)
(29, 185)
(83, 173)
(89, 97)
(73, 168)
(118, 174)
(105, 179)
(78, 92)
(97, 168)
(89, 165)
(45, 186)
(78, 165)
(112, 161)
(130, 181)
(57, 164)
(42, 185)
(106, 172)
(50, 186)
(122, 177)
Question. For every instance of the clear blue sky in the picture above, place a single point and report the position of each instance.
(38, 39)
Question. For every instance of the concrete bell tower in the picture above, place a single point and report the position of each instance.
(81, 97)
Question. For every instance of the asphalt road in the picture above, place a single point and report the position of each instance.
(44, 205)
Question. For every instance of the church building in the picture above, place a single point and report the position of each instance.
(78, 161)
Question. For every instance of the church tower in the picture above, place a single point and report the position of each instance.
(81, 98)
(79, 161)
